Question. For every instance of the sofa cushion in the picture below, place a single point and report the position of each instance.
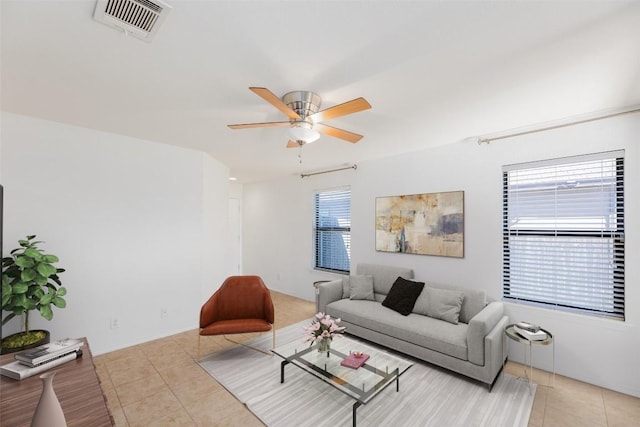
(361, 287)
(384, 276)
(424, 331)
(444, 304)
(473, 303)
(402, 295)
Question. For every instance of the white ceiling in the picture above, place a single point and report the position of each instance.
(434, 72)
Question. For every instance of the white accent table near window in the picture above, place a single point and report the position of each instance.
(510, 332)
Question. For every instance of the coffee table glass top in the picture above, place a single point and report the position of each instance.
(363, 383)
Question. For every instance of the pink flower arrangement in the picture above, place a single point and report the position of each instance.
(322, 327)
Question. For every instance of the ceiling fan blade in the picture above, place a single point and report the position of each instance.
(272, 99)
(293, 144)
(338, 133)
(259, 125)
(349, 107)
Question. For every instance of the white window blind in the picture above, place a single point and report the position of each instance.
(563, 233)
(332, 230)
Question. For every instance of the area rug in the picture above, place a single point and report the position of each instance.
(428, 396)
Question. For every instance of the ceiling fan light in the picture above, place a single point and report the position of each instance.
(303, 133)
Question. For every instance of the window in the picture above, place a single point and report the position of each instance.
(563, 233)
(332, 230)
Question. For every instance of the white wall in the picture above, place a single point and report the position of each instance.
(278, 244)
(215, 223)
(235, 228)
(135, 223)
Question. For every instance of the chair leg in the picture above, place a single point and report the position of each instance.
(268, 353)
(273, 328)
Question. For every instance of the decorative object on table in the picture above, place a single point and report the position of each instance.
(29, 282)
(48, 412)
(424, 224)
(322, 331)
(19, 371)
(48, 352)
(539, 335)
(355, 360)
(528, 326)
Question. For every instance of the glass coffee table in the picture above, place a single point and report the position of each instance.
(362, 384)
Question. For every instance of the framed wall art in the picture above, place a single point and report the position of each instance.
(424, 224)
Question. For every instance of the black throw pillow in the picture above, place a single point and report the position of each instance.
(403, 295)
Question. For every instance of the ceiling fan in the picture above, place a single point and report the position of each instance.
(303, 110)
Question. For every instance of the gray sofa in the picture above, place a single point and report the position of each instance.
(474, 346)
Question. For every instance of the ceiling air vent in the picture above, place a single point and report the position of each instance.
(137, 18)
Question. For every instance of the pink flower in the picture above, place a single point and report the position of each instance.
(322, 327)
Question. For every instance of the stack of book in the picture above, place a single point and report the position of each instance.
(36, 360)
(529, 331)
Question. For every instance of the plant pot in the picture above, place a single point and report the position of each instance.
(45, 340)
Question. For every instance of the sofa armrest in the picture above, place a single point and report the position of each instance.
(479, 327)
(495, 348)
(329, 292)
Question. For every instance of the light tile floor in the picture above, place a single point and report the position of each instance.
(159, 384)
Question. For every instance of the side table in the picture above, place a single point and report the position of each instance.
(77, 387)
(511, 333)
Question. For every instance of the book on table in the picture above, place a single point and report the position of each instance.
(47, 352)
(540, 335)
(528, 326)
(355, 361)
(19, 371)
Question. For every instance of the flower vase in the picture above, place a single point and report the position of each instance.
(324, 345)
(48, 412)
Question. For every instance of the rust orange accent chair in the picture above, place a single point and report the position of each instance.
(241, 305)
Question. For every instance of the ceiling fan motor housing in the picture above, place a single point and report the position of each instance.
(302, 102)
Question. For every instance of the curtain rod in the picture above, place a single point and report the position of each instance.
(573, 122)
(304, 175)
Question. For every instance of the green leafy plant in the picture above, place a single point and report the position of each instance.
(30, 282)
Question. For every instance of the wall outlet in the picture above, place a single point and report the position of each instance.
(114, 323)
(164, 312)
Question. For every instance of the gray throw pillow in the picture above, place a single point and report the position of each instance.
(361, 287)
(346, 287)
(422, 303)
(441, 304)
(473, 300)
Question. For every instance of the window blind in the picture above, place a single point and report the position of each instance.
(332, 230)
(563, 233)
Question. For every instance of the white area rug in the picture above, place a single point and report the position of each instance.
(428, 396)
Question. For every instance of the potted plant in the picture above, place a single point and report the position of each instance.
(29, 282)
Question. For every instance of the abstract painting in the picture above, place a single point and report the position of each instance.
(425, 224)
